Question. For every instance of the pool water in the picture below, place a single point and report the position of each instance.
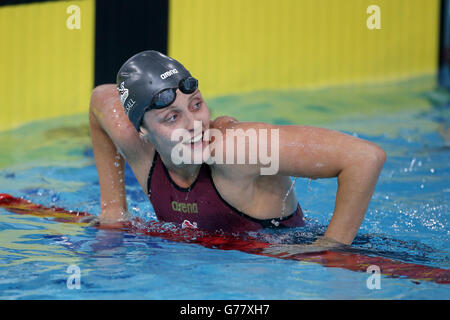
(51, 162)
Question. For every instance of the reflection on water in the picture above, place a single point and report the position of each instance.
(23, 240)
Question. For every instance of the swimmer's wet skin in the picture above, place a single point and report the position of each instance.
(155, 95)
(202, 203)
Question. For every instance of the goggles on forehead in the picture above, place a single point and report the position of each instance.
(166, 97)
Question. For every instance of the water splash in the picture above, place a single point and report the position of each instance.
(305, 210)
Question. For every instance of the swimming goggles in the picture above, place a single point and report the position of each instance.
(166, 97)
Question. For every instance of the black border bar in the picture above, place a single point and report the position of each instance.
(124, 28)
(444, 45)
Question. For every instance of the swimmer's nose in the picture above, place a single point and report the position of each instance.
(191, 122)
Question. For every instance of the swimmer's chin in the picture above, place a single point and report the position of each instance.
(191, 152)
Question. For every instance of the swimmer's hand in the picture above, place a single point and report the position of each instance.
(104, 221)
(320, 245)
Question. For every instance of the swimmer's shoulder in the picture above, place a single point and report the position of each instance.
(234, 172)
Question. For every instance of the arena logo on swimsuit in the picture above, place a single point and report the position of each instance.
(184, 207)
(168, 73)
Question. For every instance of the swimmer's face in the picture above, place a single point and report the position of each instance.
(158, 124)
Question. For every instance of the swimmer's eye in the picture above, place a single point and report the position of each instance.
(198, 105)
(172, 118)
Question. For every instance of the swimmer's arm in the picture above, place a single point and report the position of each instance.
(321, 153)
(305, 151)
(111, 131)
(110, 165)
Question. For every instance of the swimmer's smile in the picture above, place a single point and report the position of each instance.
(196, 142)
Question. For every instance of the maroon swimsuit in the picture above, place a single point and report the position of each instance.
(201, 206)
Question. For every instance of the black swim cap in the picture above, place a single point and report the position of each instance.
(143, 76)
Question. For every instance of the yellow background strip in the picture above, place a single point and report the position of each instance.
(237, 46)
(46, 68)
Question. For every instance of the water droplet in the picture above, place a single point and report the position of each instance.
(432, 170)
(309, 185)
(116, 164)
(412, 164)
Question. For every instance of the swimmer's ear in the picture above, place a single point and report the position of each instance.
(143, 132)
(143, 129)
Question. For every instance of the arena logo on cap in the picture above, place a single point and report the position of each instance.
(168, 73)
